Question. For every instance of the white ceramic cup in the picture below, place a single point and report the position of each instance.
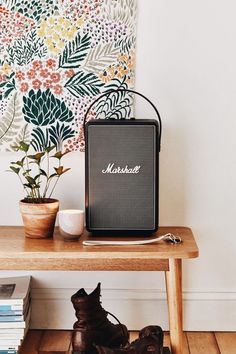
(71, 223)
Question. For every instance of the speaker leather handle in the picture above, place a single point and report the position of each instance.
(131, 91)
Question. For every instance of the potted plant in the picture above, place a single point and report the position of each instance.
(38, 208)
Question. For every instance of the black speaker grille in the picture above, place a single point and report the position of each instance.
(121, 201)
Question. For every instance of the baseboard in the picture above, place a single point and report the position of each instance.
(203, 311)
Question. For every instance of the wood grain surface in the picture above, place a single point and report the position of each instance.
(56, 342)
(226, 342)
(202, 343)
(174, 301)
(18, 252)
(193, 342)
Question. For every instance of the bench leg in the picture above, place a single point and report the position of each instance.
(174, 299)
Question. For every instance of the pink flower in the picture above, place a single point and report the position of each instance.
(47, 84)
(24, 87)
(55, 77)
(2, 78)
(36, 84)
(31, 74)
(69, 73)
(51, 63)
(20, 75)
(37, 64)
(57, 89)
(44, 73)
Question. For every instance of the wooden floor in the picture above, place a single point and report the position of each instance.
(59, 342)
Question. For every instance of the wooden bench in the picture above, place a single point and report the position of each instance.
(20, 253)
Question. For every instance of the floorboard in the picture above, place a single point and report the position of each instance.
(202, 343)
(226, 342)
(32, 342)
(59, 342)
(55, 342)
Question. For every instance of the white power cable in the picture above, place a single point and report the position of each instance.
(167, 237)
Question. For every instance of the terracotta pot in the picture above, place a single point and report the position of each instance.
(39, 219)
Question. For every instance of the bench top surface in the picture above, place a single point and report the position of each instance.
(18, 252)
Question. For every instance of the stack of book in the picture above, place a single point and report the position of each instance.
(14, 312)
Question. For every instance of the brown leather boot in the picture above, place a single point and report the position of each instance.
(93, 327)
(150, 341)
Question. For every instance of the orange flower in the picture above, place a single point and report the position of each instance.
(36, 84)
(105, 77)
(44, 73)
(111, 70)
(124, 57)
(47, 84)
(57, 89)
(31, 74)
(125, 70)
(3, 10)
(69, 73)
(20, 75)
(131, 63)
(121, 71)
(37, 64)
(24, 87)
(55, 77)
(51, 63)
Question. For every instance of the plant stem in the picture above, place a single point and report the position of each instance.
(54, 186)
(59, 165)
(47, 181)
(24, 187)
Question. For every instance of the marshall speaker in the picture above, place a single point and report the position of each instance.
(121, 172)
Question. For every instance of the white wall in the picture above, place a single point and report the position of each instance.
(186, 63)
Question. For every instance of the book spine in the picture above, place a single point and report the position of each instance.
(8, 348)
(11, 318)
(11, 307)
(8, 325)
(8, 352)
(11, 313)
(10, 342)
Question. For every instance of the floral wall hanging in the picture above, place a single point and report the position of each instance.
(56, 57)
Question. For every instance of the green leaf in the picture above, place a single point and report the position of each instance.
(37, 176)
(39, 139)
(28, 185)
(81, 85)
(42, 109)
(31, 180)
(53, 175)
(23, 50)
(50, 148)
(11, 121)
(60, 133)
(19, 163)
(26, 172)
(15, 147)
(101, 57)
(117, 103)
(15, 169)
(23, 146)
(75, 52)
(43, 173)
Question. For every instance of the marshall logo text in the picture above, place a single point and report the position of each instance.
(111, 168)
